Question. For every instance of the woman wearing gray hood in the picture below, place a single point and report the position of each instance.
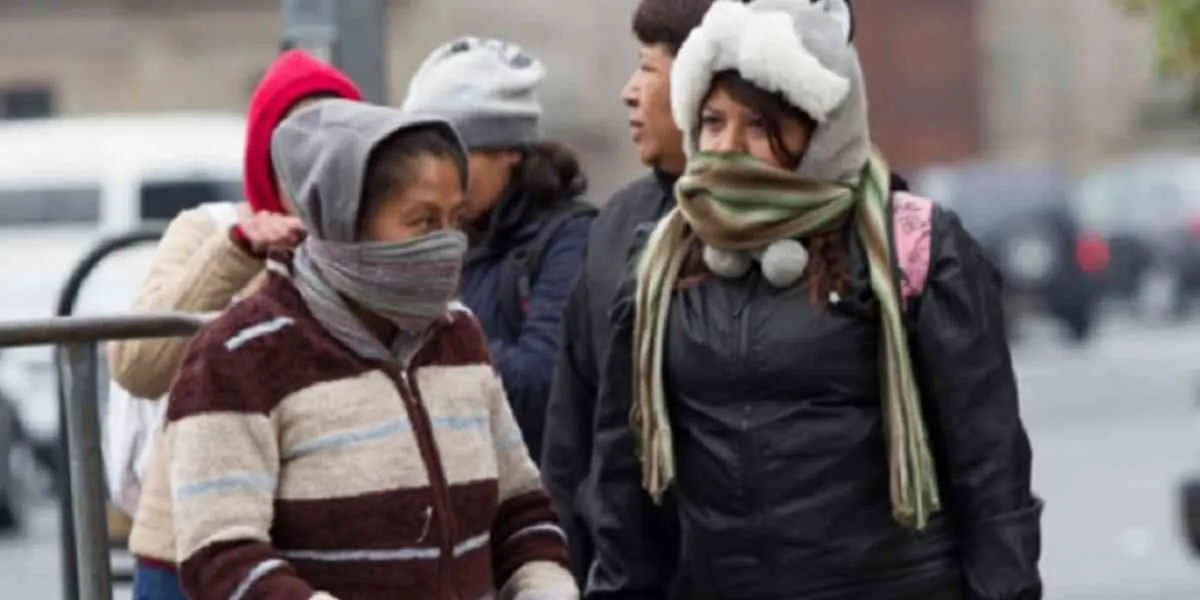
(815, 364)
(342, 433)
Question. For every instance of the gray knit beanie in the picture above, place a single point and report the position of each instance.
(486, 87)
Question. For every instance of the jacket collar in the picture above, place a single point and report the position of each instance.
(666, 182)
(512, 221)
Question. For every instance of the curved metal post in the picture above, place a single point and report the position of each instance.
(66, 305)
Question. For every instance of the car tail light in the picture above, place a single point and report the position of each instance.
(1194, 227)
(1091, 253)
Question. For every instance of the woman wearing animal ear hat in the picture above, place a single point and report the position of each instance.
(827, 428)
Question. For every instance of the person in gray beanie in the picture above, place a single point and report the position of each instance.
(524, 216)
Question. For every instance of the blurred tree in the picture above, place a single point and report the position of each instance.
(1177, 39)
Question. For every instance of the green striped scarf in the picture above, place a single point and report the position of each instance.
(736, 202)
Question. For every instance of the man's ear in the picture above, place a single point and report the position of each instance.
(514, 158)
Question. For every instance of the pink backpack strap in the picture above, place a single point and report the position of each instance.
(912, 226)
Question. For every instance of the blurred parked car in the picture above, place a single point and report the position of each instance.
(1189, 504)
(1021, 217)
(11, 444)
(1144, 213)
(67, 182)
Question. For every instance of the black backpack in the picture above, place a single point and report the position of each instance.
(522, 265)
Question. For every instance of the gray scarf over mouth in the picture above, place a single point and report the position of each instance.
(321, 153)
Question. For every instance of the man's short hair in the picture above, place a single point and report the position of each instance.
(668, 22)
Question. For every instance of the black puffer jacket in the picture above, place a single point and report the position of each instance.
(782, 489)
(586, 332)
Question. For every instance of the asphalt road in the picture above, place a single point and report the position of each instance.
(1114, 425)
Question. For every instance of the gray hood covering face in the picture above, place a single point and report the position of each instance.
(790, 47)
(321, 151)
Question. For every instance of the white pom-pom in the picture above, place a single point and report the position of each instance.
(726, 263)
(783, 262)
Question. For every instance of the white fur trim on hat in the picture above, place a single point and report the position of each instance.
(765, 48)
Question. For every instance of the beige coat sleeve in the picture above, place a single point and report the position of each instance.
(196, 268)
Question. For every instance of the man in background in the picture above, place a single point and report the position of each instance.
(660, 27)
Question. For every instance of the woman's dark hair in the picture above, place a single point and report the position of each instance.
(668, 22)
(827, 268)
(549, 172)
(772, 107)
(393, 163)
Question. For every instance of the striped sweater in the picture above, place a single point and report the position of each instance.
(299, 470)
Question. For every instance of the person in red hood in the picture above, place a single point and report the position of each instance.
(295, 79)
(208, 256)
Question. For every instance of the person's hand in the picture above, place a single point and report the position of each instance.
(267, 231)
(559, 587)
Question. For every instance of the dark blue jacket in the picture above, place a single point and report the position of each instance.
(524, 357)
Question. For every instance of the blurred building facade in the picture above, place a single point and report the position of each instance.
(1068, 78)
(949, 79)
(71, 57)
(1011, 80)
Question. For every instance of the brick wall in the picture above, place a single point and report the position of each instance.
(922, 67)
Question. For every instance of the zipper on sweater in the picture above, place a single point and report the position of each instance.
(423, 428)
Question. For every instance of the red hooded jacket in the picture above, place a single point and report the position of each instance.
(293, 77)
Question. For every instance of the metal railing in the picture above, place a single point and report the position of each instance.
(88, 575)
(67, 300)
(86, 561)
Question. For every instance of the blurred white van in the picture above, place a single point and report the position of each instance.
(66, 183)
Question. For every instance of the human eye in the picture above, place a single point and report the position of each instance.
(711, 121)
(423, 222)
